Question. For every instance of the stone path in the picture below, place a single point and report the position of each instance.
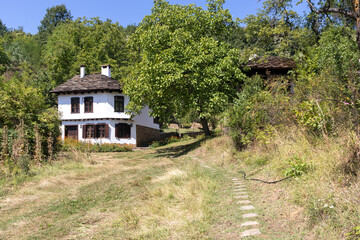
(248, 216)
(249, 225)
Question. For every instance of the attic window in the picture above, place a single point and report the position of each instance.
(75, 105)
(88, 102)
(119, 103)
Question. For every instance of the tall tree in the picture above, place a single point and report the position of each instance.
(54, 16)
(89, 42)
(346, 10)
(184, 65)
(276, 30)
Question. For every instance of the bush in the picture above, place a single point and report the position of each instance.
(69, 144)
(255, 112)
(298, 167)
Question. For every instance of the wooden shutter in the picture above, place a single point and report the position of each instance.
(117, 130)
(96, 130)
(127, 131)
(106, 130)
(84, 131)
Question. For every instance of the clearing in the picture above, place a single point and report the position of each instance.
(179, 191)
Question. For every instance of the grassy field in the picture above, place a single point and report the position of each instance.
(183, 191)
(165, 193)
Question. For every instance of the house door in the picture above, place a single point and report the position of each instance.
(71, 131)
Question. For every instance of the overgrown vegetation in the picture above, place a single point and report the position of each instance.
(70, 144)
(188, 63)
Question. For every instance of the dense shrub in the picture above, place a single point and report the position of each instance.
(256, 111)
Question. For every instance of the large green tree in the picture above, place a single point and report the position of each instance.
(89, 42)
(54, 16)
(184, 62)
(277, 30)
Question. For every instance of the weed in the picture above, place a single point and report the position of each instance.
(320, 209)
(298, 167)
(354, 234)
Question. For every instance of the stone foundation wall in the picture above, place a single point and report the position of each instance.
(145, 135)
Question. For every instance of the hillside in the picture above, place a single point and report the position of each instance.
(184, 191)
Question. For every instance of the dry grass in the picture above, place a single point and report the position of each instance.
(136, 195)
(323, 203)
(170, 192)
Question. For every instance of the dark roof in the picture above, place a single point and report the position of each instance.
(271, 62)
(90, 82)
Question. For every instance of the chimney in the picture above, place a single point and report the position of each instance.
(82, 71)
(106, 70)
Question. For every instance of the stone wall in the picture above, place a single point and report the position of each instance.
(145, 135)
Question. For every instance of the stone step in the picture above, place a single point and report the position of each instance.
(243, 202)
(248, 207)
(242, 196)
(249, 215)
(250, 232)
(241, 193)
(251, 223)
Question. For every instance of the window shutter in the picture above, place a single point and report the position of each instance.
(128, 131)
(84, 131)
(94, 130)
(106, 130)
(117, 130)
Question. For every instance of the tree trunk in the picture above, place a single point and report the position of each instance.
(205, 126)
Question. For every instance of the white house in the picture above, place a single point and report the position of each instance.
(92, 109)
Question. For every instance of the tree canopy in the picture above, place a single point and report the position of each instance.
(184, 65)
(54, 16)
(89, 42)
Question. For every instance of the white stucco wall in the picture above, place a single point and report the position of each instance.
(103, 107)
(111, 139)
(144, 119)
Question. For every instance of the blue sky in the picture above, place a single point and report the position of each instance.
(28, 14)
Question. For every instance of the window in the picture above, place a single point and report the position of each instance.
(122, 130)
(89, 131)
(71, 131)
(100, 130)
(88, 102)
(75, 105)
(119, 103)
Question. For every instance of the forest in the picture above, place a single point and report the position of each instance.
(189, 64)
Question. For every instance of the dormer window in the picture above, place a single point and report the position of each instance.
(75, 105)
(119, 104)
(88, 102)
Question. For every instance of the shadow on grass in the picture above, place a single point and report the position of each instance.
(178, 151)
